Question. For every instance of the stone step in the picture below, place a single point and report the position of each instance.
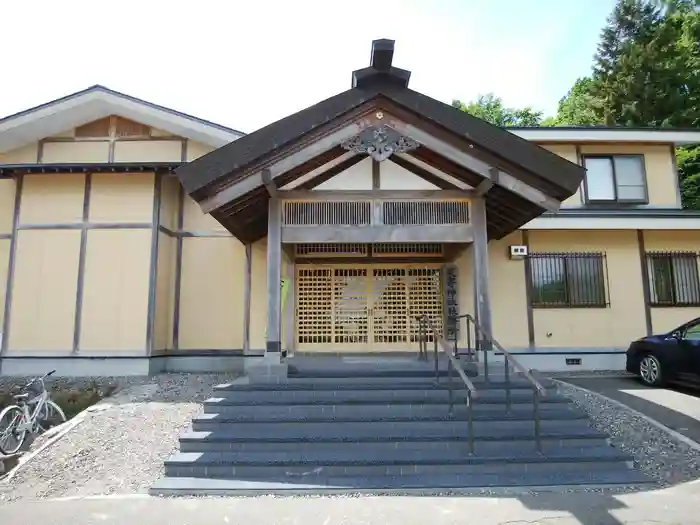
(422, 485)
(388, 412)
(349, 435)
(412, 427)
(342, 372)
(382, 413)
(383, 396)
(306, 465)
(361, 383)
(216, 442)
(425, 381)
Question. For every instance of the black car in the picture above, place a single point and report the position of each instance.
(670, 357)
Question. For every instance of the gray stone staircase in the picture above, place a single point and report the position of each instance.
(377, 428)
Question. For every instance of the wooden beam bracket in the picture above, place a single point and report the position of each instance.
(268, 182)
(485, 185)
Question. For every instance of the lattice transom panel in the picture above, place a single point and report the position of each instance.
(407, 212)
(332, 250)
(324, 213)
(311, 250)
(407, 249)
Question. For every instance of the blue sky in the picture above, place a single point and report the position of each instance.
(247, 63)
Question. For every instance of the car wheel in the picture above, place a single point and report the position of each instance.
(650, 371)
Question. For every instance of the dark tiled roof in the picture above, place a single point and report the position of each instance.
(250, 148)
(554, 175)
(220, 162)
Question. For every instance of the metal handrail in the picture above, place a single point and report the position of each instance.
(538, 389)
(507, 354)
(439, 342)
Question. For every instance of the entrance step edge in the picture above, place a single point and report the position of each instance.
(436, 485)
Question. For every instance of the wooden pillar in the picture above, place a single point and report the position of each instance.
(246, 297)
(480, 254)
(289, 305)
(274, 278)
(646, 290)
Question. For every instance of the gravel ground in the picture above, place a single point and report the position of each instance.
(656, 453)
(120, 447)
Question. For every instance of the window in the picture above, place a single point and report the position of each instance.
(568, 280)
(692, 333)
(673, 278)
(618, 178)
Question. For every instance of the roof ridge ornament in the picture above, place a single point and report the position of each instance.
(379, 142)
(381, 70)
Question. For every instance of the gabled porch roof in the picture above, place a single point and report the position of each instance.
(519, 179)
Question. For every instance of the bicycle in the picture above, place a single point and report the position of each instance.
(34, 412)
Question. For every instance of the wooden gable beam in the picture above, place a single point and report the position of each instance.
(331, 172)
(423, 173)
(269, 184)
(274, 186)
(486, 184)
(334, 138)
(290, 162)
(344, 195)
(435, 161)
(314, 167)
(478, 166)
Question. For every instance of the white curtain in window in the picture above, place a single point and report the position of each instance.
(659, 273)
(674, 279)
(685, 277)
(600, 184)
(629, 175)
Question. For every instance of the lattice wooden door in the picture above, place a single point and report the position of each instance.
(424, 298)
(389, 314)
(364, 307)
(314, 309)
(350, 308)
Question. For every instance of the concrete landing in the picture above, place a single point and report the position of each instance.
(671, 506)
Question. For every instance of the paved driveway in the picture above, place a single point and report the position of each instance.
(675, 506)
(676, 407)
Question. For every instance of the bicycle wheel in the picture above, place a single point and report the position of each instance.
(52, 415)
(11, 440)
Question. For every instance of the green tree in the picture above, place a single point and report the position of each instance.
(646, 68)
(579, 107)
(674, 5)
(689, 174)
(646, 73)
(626, 65)
(490, 108)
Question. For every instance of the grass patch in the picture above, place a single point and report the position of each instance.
(71, 399)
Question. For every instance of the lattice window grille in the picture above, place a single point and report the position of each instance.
(327, 213)
(332, 250)
(394, 249)
(409, 213)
